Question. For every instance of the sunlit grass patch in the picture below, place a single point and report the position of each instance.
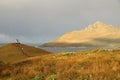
(83, 65)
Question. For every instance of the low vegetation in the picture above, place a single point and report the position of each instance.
(83, 65)
(2, 63)
(16, 51)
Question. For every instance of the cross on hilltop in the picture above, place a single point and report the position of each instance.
(19, 46)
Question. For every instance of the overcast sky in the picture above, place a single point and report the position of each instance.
(39, 21)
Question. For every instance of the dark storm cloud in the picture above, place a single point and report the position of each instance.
(45, 20)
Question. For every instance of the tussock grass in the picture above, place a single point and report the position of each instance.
(83, 65)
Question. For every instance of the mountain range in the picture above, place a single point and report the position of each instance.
(97, 34)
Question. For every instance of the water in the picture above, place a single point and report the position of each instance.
(60, 49)
(1, 44)
(68, 49)
(65, 49)
(75, 49)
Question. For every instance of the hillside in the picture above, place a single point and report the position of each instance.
(97, 34)
(15, 51)
(83, 65)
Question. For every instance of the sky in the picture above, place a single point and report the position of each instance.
(42, 21)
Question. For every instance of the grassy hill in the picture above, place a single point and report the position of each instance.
(83, 65)
(15, 51)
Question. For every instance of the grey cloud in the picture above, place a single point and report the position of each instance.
(45, 20)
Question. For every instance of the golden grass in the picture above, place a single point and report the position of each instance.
(12, 52)
(83, 65)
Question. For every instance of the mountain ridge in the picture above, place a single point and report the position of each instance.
(97, 31)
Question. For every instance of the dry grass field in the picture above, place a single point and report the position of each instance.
(83, 65)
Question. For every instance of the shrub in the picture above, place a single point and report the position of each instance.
(2, 63)
(52, 77)
(41, 77)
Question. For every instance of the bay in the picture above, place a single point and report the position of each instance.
(65, 49)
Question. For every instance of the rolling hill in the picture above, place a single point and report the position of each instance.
(97, 34)
(16, 51)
